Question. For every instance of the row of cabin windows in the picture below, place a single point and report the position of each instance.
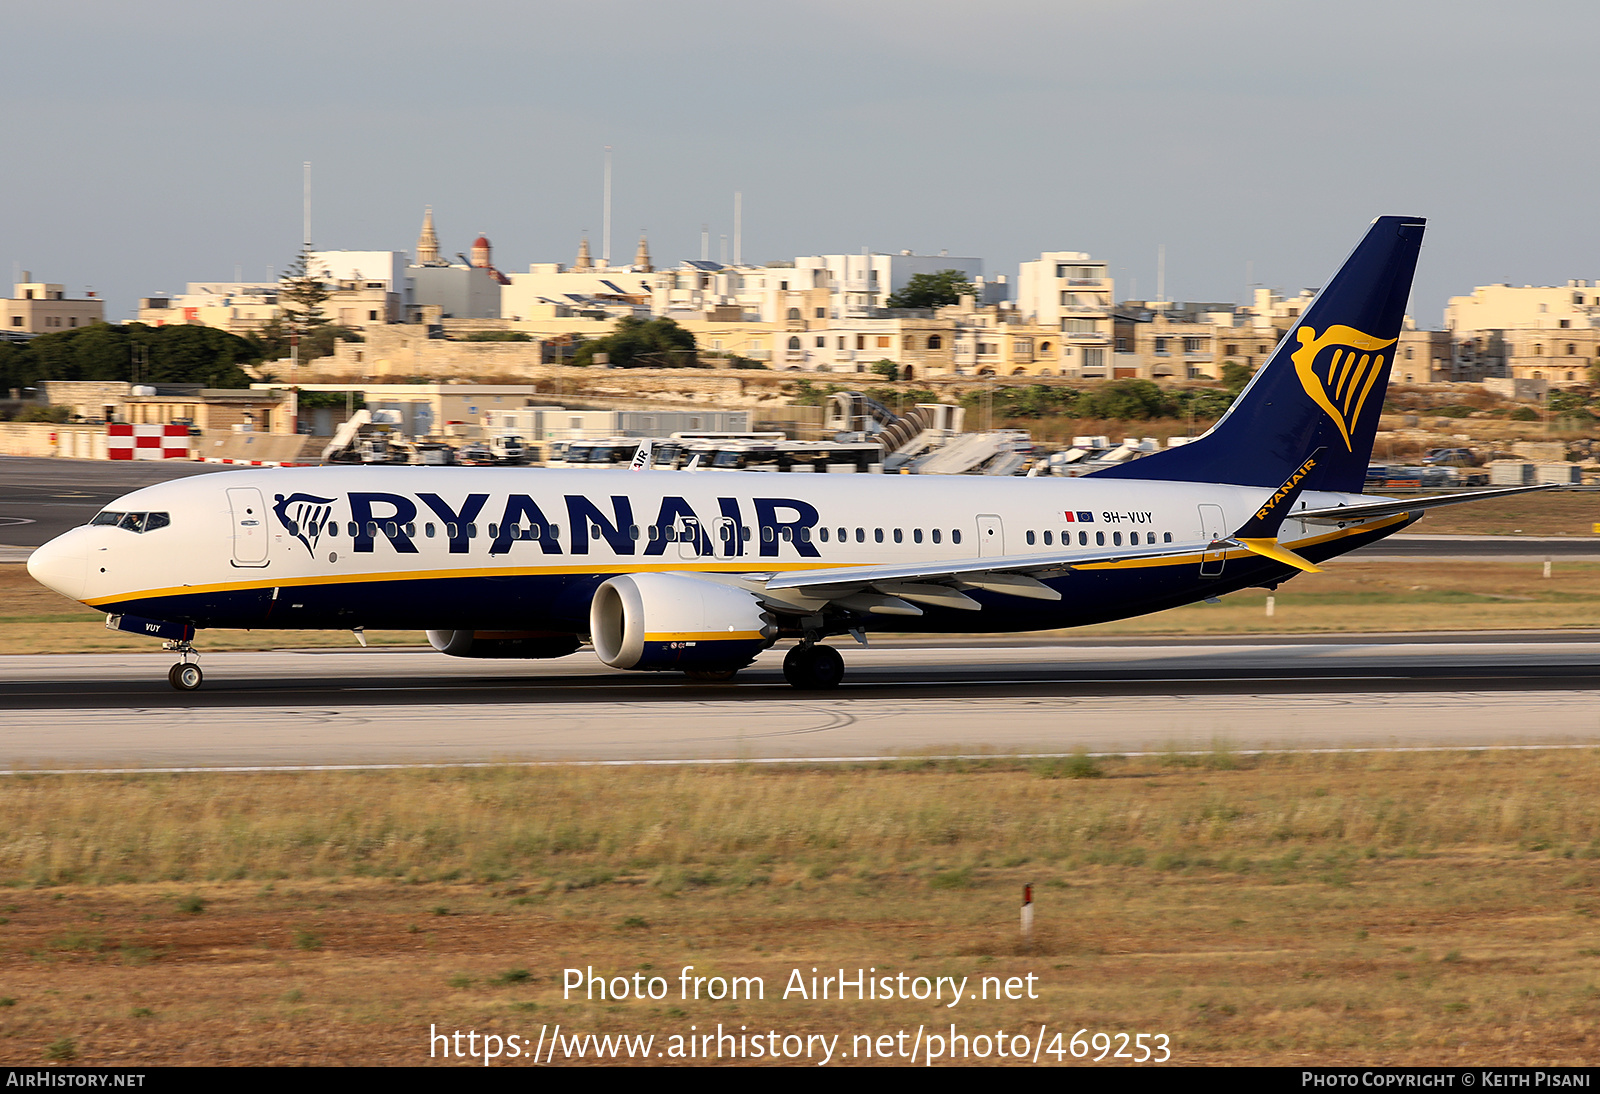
(653, 533)
(1099, 538)
(769, 534)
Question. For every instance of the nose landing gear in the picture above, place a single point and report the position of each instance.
(185, 675)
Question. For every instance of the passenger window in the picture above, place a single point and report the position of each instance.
(916, 535)
(898, 537)
(411, 529)
(766, 533)
(350, 526)
(844, 535)
(594, 531)
(427, 529)
(744, 533)
(805, 534)
(633, 531)
(955, 535)
(877, 535)
(1100, 539)
(494, 531)
(472, 531)
(1047, 540)
(788, 534)
(655, 532)
(936, 535)
(1083, 539)
(372, 529)
(555, 531)
(1030, 537)
(1166, 537)
(392, 530)
(1116, 539)
(450, 530)
(861, 535)
(535, 531)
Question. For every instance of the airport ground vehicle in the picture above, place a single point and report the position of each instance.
(699, 572)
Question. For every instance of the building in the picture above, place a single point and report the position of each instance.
(39, 307)
(237, 307)
(859, 284)
(1070, 293)
(1532, 332)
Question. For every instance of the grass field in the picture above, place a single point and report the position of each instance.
(1290, 909)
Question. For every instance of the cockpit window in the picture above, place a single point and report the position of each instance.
(133, 522)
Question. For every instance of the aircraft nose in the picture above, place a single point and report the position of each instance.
(62, 564)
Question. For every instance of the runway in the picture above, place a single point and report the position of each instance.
(321, 707)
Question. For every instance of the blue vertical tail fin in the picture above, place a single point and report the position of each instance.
(1323, 385)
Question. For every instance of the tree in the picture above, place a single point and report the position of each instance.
(180, 353)
(886, 368)
(1235, 376)
(932, 290)
(639, 343)
(301, 294)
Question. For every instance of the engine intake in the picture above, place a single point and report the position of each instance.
(677, 621)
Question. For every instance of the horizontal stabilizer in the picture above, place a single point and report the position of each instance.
(1388, 507)
(1271, 548)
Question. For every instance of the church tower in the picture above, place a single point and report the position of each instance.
(480, 252)
(428, 242)
(585, 260)
(641, 257)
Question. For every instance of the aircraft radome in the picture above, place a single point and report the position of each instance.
(700, 571)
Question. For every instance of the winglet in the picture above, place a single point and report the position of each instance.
(1260, 532)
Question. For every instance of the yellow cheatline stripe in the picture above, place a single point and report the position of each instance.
(704, 636)
(731, 566)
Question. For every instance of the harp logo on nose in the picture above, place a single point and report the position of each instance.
(303, 516)
(1338, 370)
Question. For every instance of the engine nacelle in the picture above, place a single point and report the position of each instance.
(677, 621)
(503, 643)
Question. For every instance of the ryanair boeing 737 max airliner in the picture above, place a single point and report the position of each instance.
(700, 571)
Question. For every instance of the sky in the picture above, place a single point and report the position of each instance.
(156, 144)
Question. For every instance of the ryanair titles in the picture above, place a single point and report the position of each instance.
(572, 524)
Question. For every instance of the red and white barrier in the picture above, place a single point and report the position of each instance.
(254, 463)
(125, 441)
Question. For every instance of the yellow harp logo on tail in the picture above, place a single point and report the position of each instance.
(1339, 382)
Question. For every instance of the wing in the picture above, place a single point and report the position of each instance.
(898, 589)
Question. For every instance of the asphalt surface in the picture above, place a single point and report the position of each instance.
(365, 707)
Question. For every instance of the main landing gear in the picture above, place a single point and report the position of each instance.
(185, 675)
(813, 668)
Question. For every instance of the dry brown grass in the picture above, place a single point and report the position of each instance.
(1369, 908)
